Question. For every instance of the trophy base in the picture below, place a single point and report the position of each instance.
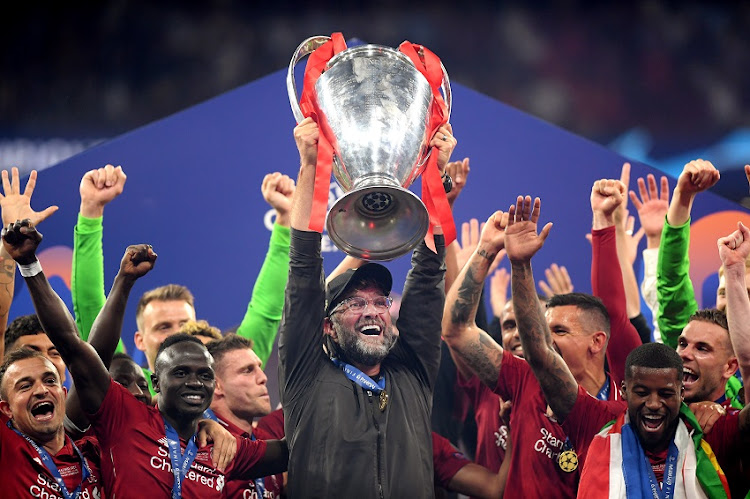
(377, 223)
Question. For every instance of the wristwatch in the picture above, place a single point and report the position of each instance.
(447, 182)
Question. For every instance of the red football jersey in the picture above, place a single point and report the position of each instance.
(537, 438)
(492, 432)
(23, 474)
(135, 455)
(273, 485)
(446, 459)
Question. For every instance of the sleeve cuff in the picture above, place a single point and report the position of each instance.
(280, 235)
(89, 224)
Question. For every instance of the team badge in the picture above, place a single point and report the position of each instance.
(568, 461)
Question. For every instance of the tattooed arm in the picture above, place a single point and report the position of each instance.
(15, 205)
(469, 344)
(522, 242)
(7, 285)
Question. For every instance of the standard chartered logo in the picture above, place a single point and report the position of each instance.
(197, 472)
(47, 488)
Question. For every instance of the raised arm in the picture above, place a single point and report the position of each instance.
(522, 242)
(652, 212)
(627, 247)
(734, 250)
(97, 189)
(673, 286)
(261, 321)
(607, 197)
(301, 328)
(90, 376)
(469, 344)
(14, 206)
(306, 136)
(107, 328)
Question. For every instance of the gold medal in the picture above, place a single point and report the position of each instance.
(383, 400)
(568, 461)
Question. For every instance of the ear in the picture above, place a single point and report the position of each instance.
(218, 388)
(328, 329)
(731, 367)
(598, 342)
(155, 382)
(624, 391)
(5, 409)
(138, 341)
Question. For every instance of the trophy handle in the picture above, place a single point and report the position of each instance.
(305, 48)
(448, 97)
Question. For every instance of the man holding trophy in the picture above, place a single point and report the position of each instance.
(356, 391)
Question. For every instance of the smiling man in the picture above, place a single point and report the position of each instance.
(657, 443)
(708, 358)
(143, 445)
(37, 459)
(370, 389)
(654, 448)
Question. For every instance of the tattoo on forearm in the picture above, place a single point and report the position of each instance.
(468, 298)
(555, 378)
(484, 358)
(485, 254)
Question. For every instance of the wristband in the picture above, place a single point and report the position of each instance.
(31, 269)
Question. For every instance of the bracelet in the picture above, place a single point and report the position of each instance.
(31, 269)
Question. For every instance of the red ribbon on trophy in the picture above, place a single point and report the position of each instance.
(433, 193)
(316, 63)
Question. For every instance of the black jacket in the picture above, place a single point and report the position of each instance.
(340, 443)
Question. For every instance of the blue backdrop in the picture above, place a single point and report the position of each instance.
(193, 192)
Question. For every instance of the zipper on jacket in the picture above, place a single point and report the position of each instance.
(377, 427)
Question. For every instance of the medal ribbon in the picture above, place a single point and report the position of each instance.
(260, 486)
(433, 192)
(359, 377)
(180, 462)
(49, 463)
(640, 477)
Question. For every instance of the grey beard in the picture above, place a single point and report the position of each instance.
(357, 351)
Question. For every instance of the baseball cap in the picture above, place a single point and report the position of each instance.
(344, 282)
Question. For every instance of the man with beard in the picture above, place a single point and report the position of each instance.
(142, 446)
(356, 391)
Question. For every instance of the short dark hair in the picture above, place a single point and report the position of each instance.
(712, 315)
(653, 356)
(174, 339)
(25, 325)
(14, 356)
(229, 343)
(595, 311)
(122, 356)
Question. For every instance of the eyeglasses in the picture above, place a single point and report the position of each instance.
(357, 304)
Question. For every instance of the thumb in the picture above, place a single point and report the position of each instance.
(744, 230)
(545, 231)
(42, 215)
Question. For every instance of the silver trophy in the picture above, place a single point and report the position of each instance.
(377, 104)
